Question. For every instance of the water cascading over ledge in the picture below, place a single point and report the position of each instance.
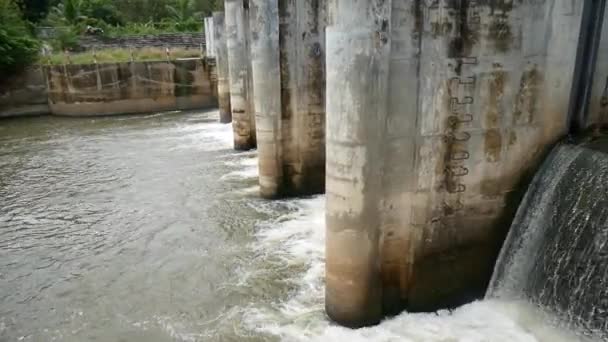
(556, 253)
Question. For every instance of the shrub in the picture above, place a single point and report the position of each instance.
(18, 48)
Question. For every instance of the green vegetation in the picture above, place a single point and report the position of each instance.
(121, 55)
(17, 46)
(115, 18)
(70, 19)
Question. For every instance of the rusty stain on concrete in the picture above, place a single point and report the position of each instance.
(528, 96)
(492, 145)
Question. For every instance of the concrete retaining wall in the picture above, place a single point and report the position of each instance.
(177, 40)
(122, 88)
(24, 94)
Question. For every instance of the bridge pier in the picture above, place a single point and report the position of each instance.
(289, 80)
(221, 62)
(239, 65)
(436, 114)
(267, 102)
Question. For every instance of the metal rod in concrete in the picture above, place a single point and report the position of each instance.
(267, 100)
(237, 36)
(221, 62)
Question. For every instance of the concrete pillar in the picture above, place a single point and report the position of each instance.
(241, 92)
(302, 48)
(250, 88)
(357, 85)
(267, 100)
(211, 48)
(221, 62)
(209, 38)
(437, 112)
(289, 78)
(207, 35)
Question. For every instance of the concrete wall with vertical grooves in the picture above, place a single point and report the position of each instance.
(175, 40)
(123, 88)
(437, 112)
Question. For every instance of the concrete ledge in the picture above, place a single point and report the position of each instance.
(136, 106)
(130, 88)
(27, 110)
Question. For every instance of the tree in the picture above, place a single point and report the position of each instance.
(206, 7)
(34, 10)
(141, 11)
(69, 12)
(182, 10)
(103, 10)
(17, 46)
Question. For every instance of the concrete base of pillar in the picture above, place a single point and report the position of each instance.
(224, 106)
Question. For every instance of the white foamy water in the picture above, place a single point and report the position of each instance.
(247, 167)
(297, 240)
(203, 136)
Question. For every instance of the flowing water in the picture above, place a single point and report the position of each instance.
(149, 228)
(556, 255)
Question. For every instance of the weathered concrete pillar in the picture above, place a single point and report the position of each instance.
(302, 53)
(437, 112)
(358, 51)
(241, 92)
(211, 47)
(221, 63)
(208, 51)
(251, 89)
(289, 78)
(265, 61)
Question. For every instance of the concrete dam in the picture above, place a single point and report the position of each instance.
(423, 121)
(328, 170)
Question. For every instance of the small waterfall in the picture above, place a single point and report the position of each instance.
(556, 254)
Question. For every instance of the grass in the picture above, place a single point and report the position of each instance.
(119, 56)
